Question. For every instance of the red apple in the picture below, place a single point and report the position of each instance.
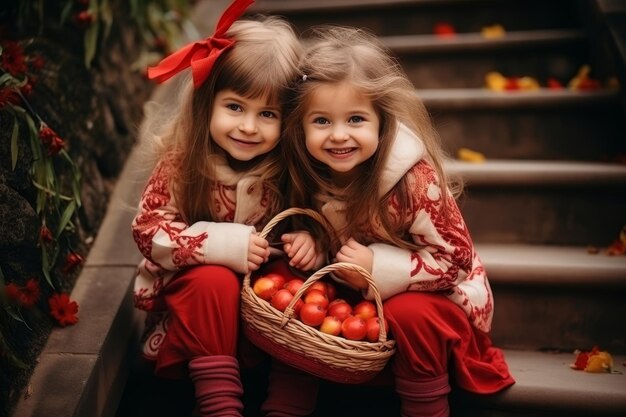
(277, 278)
(294, 285)
(331, 291)
(373, 328)
(354, 328)
(316, 297)
(281, 299)
(340, 309)
(318, 285)
(312, 314)
(365, 309)
(264, 288)
(331, 325)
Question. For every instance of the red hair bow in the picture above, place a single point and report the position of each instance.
(201, 55)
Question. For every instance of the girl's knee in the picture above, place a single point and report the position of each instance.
(422, 309)
(207, 280)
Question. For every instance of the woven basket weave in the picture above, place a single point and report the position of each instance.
(304, 347)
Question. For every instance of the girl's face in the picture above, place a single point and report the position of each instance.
(341, 129)
(243, 127)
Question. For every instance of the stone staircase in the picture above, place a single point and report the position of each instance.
(550, 188)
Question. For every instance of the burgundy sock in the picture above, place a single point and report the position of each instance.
(218, 385)
(290, 392)
(424, 398)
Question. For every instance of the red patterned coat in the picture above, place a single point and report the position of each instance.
(447, 260)
(169, 244)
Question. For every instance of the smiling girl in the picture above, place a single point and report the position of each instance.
(218, 178)
(361, 149)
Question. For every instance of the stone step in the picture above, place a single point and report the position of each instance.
(545, 386)
(543, 202)
(393, 17)
(544, 124)
(463, 60)
(556, 297)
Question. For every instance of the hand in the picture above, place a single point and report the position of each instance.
(357, 254)
(258, 252)
(302, 250)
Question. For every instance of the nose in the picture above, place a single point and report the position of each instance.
(339, 133)
(248, 124)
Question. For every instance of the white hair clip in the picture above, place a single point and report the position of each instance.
(304, 77)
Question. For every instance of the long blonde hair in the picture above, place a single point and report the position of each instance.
(338, 54)
(262, 63)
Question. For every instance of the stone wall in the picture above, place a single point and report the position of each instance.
(96, 111)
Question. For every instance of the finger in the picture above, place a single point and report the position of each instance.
(256, 259)
(259, 241)
(259, 251)
(287, 237)
(305, 258)
(296, 258)
(296, 247)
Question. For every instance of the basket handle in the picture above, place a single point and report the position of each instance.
(282, 216)
(319, 274)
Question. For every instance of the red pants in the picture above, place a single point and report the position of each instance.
(434, 337)
(203, 302)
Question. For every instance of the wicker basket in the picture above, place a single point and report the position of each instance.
(304, 347)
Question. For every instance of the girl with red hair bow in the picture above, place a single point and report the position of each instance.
(217, 180)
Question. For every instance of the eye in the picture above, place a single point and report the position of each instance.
(234, 107)
(356, 119)
(321, 121)
(268, 114)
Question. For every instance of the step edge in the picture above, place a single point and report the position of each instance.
(472, 99)
(598, 395)
(278, 6)
(538, 173)
(532, 265)
(469, 42)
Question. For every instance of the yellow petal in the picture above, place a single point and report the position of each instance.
(468, 155)
(600, 362)
(493, 31)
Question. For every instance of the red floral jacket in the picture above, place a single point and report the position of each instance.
(169, 244)
(447, 261)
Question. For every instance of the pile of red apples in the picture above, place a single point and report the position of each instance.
(320, 308)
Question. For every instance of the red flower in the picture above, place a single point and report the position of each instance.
(444, 29)
(50, 139)
(72, 260)
(8, 96)
(45, 234)
(12, 58)
(63, 310)
(30, 293)
(12, 292)
(84, 19)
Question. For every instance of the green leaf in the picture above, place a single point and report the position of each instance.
(46, 265)
(66, 217)
(14, 136)
(14, 314)
(91, 42)
(66, 10)
(106, 15)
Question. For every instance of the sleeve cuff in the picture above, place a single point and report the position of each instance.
(227, 245)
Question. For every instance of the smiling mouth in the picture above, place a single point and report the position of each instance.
(244, 142)
(341, 152)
